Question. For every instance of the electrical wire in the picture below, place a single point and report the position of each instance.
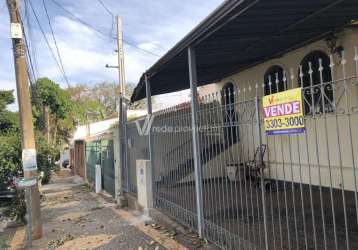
(111, 14)
(31, 77)
(105, 8)
(31, 74)
(79, 20)
(47, 42)
(55, 42)
(30, 49)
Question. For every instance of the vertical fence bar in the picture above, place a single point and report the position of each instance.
(195, 132)
(150, 138)
(257, 103)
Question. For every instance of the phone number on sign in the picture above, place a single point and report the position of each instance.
(288, 122)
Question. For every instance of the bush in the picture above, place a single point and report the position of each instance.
(10, 158)
(10, 167)
(46, 157)
(17, 208)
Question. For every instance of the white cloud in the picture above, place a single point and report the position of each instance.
(150, 46)
(150, 25)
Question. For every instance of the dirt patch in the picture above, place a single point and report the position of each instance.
(78, 219)
(86, 242)
(75, 217)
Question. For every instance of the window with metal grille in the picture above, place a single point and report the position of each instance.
(316, 80)
(274, 80)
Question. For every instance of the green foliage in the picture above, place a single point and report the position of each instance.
(9, 121)
(10, 155)
(100, 101)
(6, 98)
(10, 143)
(50, 94)
(62, 110)
(46, 157)
(10, 158)
(17, 208)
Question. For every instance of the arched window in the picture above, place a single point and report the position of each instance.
(318, 93)
(229, 114)
(274, 80)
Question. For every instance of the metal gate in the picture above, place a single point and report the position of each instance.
(93, 157)
(107, 163)
(101, 152)
(266, 192)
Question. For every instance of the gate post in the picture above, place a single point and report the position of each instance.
(261, 160)
(150, 138)
(196, 142)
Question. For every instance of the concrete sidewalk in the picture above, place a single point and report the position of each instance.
(76, 218)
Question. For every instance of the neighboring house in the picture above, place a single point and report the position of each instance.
(85, 135)
(96, 143)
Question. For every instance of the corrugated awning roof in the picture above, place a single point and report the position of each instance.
(240, 34)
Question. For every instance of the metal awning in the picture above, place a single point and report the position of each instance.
(243, 33)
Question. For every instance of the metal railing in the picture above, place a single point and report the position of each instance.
(294, 191)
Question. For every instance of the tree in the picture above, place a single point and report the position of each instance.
(8, 120)
(10, 144)
(53, 105)
(100, 99)
(10, 154)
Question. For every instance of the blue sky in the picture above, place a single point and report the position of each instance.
(154, 25)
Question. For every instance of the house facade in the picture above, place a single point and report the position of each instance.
(220, 166)
(328, 149)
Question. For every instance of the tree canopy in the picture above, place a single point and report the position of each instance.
(8, 120)
(100, 100)
(53, 105)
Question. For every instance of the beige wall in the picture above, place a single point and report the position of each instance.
(328, 151)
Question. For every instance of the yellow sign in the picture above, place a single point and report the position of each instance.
(283, 112)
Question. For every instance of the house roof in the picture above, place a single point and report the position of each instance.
(243, 33)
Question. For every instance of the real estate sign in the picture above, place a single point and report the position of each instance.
(283, 112)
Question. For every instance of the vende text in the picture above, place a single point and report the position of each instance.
(282, 109)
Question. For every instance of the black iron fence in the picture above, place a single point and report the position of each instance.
(261, 191)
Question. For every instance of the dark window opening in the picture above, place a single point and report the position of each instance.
(317, 92)
(275, 76)
(230, 117)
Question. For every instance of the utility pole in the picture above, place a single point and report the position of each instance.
(122, 105)
(120, 56)
(23, 94)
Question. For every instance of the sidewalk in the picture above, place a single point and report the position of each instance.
(75, 218)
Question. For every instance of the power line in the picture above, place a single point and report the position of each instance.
(54, 39)
(99, 31)
(30, 36)
(28, 44)
(47, 42)
(105, 8)
(111, 14)
(30, 69)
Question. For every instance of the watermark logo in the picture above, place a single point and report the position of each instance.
(144, 130)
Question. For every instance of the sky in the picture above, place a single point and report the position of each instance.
(154, 26)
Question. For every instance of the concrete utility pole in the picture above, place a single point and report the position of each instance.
(122, 104)
(120, 55)
(23, 94)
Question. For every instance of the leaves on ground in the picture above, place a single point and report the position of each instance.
(53, 244)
